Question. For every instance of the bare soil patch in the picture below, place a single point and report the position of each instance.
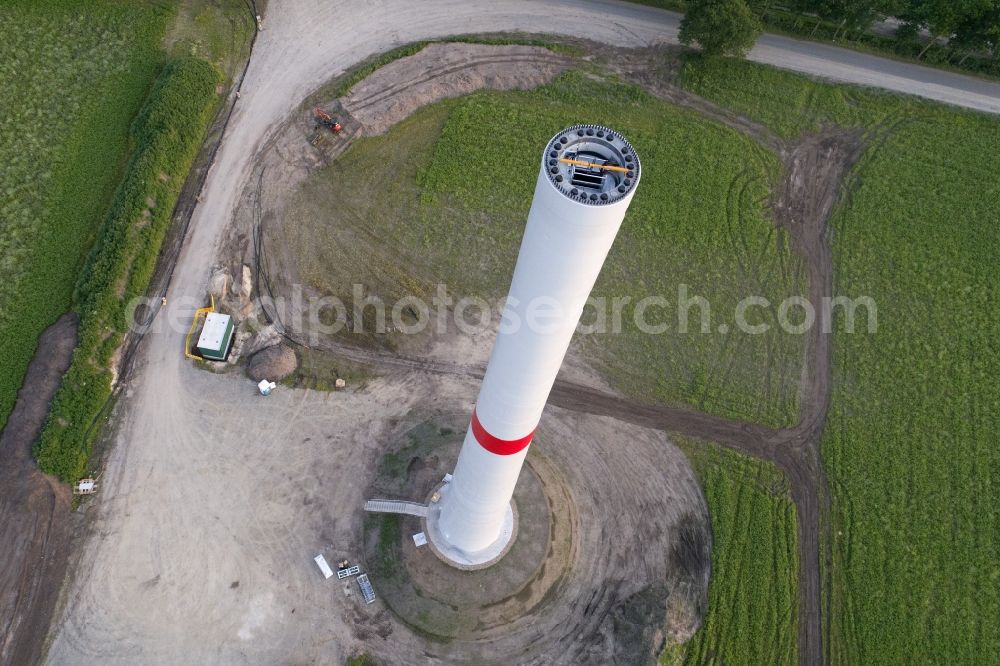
(440, 71)
(624, 547)
(35, 518)
(438, 599)
(251, 488)
(386, 97)
(273, 363)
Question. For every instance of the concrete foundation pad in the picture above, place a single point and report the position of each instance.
(457, 557)
(462, 597)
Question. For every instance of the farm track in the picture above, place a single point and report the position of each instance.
(35, 509)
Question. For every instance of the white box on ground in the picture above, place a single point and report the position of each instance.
(420, 539)
(323, 566)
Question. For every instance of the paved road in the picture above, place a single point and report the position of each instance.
(824, 60)
(306, 42)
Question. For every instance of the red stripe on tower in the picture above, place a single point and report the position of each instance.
(501, 447)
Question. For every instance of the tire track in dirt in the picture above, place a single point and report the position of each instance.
(816, 171)
(34, 508)
(354, 105)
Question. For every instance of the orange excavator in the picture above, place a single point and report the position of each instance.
(326, 120)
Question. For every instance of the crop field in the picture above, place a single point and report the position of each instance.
(62, 147)
(443, 198)
(752, 600)
(910, 445)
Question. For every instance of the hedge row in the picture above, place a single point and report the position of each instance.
(167, 135)
(899, 45)
(779, 19)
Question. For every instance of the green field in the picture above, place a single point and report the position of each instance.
(421, 205)
(911, 441)
(218, 31)
(62, 145)
(752, 597)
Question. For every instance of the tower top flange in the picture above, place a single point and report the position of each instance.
(591, 164)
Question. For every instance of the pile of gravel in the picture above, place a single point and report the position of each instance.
(274, 363)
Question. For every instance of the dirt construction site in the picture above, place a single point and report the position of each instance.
(214, 500)
(240, 492)
(243, 491)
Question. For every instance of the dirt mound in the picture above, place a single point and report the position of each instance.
(440, 71)
(274, 363)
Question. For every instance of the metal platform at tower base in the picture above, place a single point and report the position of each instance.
(366, 588)
(396, 506)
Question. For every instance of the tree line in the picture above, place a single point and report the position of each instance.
(971, 27)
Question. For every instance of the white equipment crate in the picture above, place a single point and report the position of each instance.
(323, 566)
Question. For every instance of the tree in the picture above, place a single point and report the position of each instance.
(941, 18)
(720, 27)
(853, 15)
(979, 32)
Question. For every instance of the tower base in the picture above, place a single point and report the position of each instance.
(457, 557)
